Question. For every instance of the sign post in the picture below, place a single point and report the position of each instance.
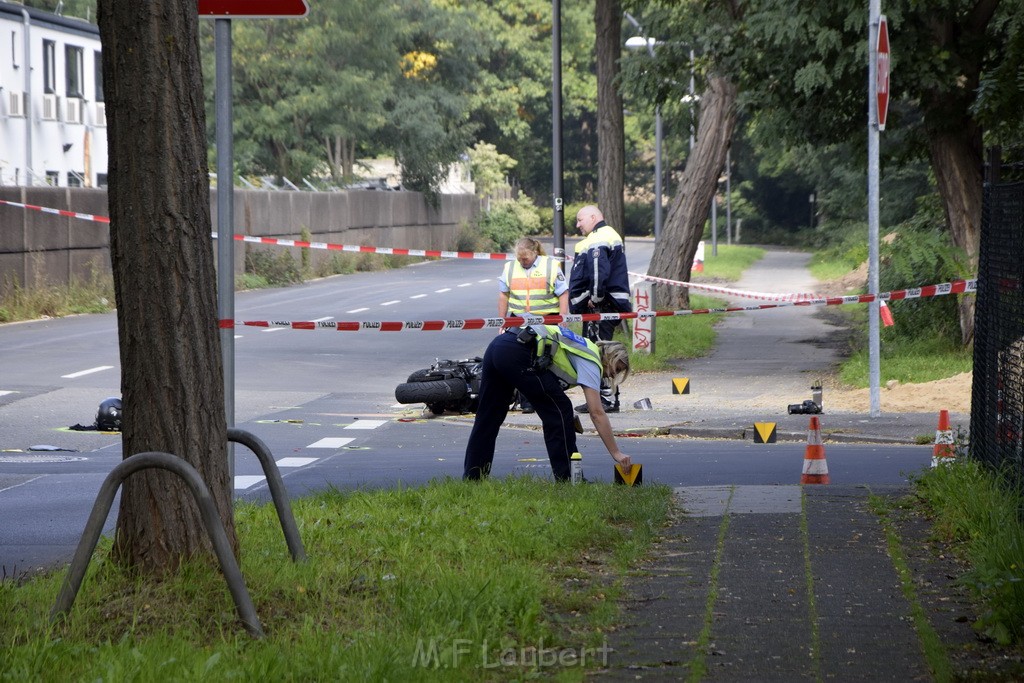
(223, 11)
(878, 107)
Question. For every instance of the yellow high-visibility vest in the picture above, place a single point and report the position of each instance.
(532, 291)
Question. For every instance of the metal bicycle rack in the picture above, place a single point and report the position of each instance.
(208, 511)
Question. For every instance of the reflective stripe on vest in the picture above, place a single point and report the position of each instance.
(532, 291)
(564, 342)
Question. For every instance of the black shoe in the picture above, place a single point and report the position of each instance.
(527, 408)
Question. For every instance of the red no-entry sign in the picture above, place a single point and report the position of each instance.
(252, 9)
(882, 72)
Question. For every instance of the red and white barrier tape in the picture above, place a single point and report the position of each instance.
(955, 287)
(491, 256)
(761, 296)
(58, 212)
(372, 250)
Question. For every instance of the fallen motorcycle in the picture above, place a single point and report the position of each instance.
(447, 385)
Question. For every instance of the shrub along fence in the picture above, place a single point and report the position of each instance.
(41, 249)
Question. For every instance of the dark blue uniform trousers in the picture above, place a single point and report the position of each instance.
(508, 365)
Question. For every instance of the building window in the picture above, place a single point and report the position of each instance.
(75, 179)
(14, 50)
(53, 178)
(97, 60)
(74, 71)
(101, 180)
(49, 67)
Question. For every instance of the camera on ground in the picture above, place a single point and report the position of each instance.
(808, 407)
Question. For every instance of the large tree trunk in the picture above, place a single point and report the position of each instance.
(688, 212)
(957, 160)
(164, 277)
(611, 146)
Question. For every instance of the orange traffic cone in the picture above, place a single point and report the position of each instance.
(815, 466)
(943, 452)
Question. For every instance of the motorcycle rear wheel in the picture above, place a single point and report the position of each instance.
(434, 393)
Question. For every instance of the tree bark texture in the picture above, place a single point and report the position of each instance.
(164, 278)
(611, 145)
(691, 204)
(957, 162)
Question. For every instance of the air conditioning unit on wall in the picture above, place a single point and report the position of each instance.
(15, 104)
(74, 110)
(50, 103)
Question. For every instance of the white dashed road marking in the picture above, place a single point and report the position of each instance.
(366, 424)
(358, 310)
(245, 481)
(442, 291)
(4, 393)
(295, 462)
(417, 296)
(389, 303)
(82, 373)
(330, 442)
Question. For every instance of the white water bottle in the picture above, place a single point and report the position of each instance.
(576, 468)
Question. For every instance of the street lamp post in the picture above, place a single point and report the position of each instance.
(635, 43)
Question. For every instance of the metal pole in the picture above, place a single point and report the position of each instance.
(225, 220)
(874, 347)
(657, 173)
(728, 195)
(558, 227)
(27, 65)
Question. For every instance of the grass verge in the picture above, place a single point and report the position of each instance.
(978, 514)
(730, 262)
(502, 580)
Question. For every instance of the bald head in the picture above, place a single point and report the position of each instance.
(587, 219)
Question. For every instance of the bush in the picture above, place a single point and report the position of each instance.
(277, 270)
(507, 221)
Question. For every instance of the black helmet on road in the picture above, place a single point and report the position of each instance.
(108, 417)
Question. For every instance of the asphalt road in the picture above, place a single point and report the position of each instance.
(323, 401)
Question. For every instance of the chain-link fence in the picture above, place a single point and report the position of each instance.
(997, 400)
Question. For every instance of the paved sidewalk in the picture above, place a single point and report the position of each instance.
(775, 583)
(770, 583)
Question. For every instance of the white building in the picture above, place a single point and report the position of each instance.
(52, 116)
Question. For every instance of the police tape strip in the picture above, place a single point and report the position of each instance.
(294, 243)
(372, 250)
(58, 212)
(955, 287)
(761, 296)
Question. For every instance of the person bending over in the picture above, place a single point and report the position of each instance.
(541, 361)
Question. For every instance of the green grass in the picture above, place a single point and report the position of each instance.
(909, 361)
(452, 581)
(729, 264)
(94, 294)
(678, 337)
(978, 515)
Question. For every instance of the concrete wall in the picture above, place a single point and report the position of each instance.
(38, 248)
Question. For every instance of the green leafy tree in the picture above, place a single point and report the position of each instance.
(943, 53)
(489, 168)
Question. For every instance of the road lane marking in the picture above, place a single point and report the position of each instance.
(466, 284)
(247, 480)
(330, 442)
(388, 303)
(75, 375)
(365, 424)
(417, 296)
(442, 291)
(357, 310)
(295, 462)
(4, 393)
(14, 486)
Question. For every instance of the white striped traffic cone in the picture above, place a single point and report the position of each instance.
(815, 465)
(942, 454)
